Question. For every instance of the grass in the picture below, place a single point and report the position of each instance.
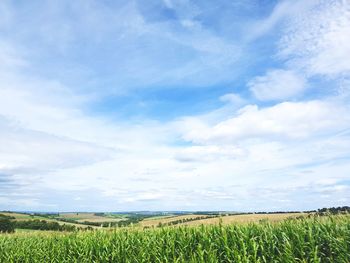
(325, 239)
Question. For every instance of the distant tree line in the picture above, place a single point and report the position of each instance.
(248, 213)
(185, 220)
(209, 213)
(2, 216)
(333, 210)
(9, 225)
(132, 219)
(6, 225)
(275, 212)
(47, 215)
(43, 225)
(99, 214)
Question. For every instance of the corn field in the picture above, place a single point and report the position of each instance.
(323, 239)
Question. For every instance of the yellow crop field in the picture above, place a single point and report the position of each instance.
(242, 219)
(164, 220)
(194, 220)
(90, 217)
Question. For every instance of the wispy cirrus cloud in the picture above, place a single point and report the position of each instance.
(317, 41)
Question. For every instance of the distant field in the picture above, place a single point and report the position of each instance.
(23, 217)
(194, 220)
(158, 217)
(20, 216)
(315, 239)
(154, 221)
(90, 217)
(77, 219)
(242, 219)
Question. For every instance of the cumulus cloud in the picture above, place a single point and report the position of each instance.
(287, 120)
(277, 85)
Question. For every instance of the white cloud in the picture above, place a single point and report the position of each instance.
(145, 52)
(277, 85)
(314, 42)
(286, 120)
(283, 10)
(208, 153)
(317, 41)
(233, 98)
(41, 152)
(146, 196)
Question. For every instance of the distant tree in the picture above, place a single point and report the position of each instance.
(2, 216)
(334, 210)
(6, 225)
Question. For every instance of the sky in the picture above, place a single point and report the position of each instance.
(174, 105)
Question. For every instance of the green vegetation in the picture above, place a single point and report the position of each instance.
(334, 210)
(43, 225)
(6, 217)
(315, 239)
(6, 225)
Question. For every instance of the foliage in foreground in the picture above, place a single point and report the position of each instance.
(325, 239)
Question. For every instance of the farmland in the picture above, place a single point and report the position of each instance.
(89, 217)
(78, 219)
(204, 219)
(314, 239)
(30, 217)
(95, 220)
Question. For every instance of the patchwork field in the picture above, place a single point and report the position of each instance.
(26, 217)
(204, 219)
(89, 217)
(155, 221)
(243, 219)
(82, 219)
(20, 216)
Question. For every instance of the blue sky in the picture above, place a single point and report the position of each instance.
(174, 105)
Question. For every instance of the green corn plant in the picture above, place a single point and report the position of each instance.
(325, 239)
